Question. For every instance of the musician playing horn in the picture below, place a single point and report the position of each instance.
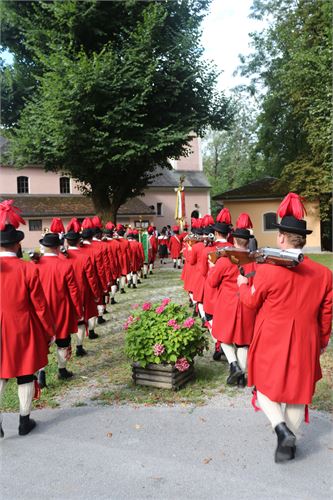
(292, 329)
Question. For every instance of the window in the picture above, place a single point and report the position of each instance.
(159, 209)
(35, 225)
(141, 224)
(269, 220)
(64, 185)
(22, 184)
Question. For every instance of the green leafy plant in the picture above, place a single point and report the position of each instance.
(163, 333)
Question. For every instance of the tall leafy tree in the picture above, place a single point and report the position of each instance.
(119, 88)
(290, 68)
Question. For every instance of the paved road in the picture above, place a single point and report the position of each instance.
(126, 452)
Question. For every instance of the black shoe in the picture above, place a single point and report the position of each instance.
(92, 335)
(190, 304)
(134, 286)
(195, 313)
(113, 302)
(241, 382)
(80, 351)
(100, 320)
(174, 266)
(235, 372)
(122, 290)
(129, 285)
(179, 267)
(286, 448)
(26, 425)
(2, 434)
(217, 355)
(150, 272)
(42, 379)
(145, 276)
(106, 311)
(64, 374)
(139, 282)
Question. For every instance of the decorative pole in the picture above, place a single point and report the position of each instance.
(180, 203)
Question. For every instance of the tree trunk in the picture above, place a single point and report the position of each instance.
(106, 207)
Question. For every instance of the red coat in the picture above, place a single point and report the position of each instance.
(153, 248)
(124, 256)
(233, 321)
(105, 260)
(175, 246)
(196, 279)
(97, 260)
(62, 293)
(87, 281)
(26, 324)
(293, 322)
(210, 293)
(136, 255)
(114, 249)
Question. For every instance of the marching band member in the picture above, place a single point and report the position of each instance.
(244, 222)
(26, 324)
(114, 247)
(175, 247)
(233, 321)
(63, 297)
(292, 329)
(153, 247)
(125, 256)
(163, 242)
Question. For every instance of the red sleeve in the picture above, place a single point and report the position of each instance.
(100, 268)
(74, 291)
(92, 278)
(203, 266)
(192, 256)
(254, 296)
(325, 314)
(39, 303)
(215, 276)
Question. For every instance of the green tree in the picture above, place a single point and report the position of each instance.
(120, 87)
(291, 70)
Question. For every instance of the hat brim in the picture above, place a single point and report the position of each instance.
(218, 229)
(242, 236)
(48, 245)
(289, 229)
(18, 237)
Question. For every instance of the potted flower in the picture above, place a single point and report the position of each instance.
(162, 341)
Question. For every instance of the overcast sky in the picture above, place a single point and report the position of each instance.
(225, 36)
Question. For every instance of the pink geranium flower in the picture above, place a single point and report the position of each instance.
(135, 306)
(158, 349)
(182, 364)
(128, 322)
(189, 322)
(159, 309)
(172, 322)
(166, 301)
(146, 306)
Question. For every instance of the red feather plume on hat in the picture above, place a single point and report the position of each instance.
(57, 226)
(150, 229)
(224, 216)
(87, 223)
(292, 204)
(244, 221)
(74, 225)
(207, 220)
(9, 214)
(96, 221)
(119, 227)
(135, 232)
(175, 228)
(110, 226)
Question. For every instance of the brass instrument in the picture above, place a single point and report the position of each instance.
(265, 255)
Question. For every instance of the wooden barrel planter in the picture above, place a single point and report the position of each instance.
(163, 376)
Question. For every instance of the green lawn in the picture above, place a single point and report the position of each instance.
(326, 259)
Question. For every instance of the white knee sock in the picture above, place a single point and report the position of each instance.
(25, 394)
(80, 334)
(242, 357)
(294, 416)
(62, 357)
(201, 310)
(100, 310)
(145, 269)
(113, 290)
(150, 267)
(122, 282)
(135, 279)
(91, 323)
(229, 352)
(129, 277)
(179, 261)
(272, 410)
(174, 261)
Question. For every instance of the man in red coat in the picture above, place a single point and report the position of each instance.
(233, 321)
(63, 297)
(26, 324)
(153, 248)
(292, 329)
(124, 257)
(175, 247)
(114, 248)
(87, 281)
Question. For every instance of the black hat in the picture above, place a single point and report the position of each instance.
(87, 233)
(51, 240)
(242, 233)
(208, 230)
(290, 224)
(198, 231)
(72, 236)
(10, 235)
(221, 227)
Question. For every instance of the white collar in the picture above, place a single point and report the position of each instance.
(50, 255)
(72, 248)
(222, 240)
(86, 242)
(296, 251)
(8, 254)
